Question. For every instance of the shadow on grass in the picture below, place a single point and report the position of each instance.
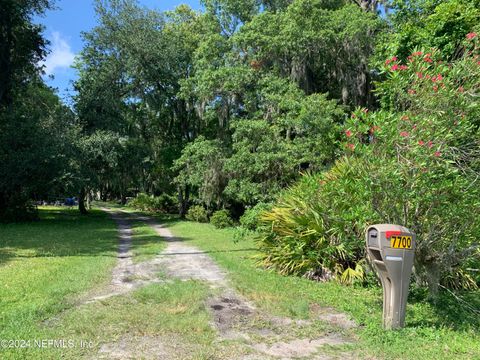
(208, 252)
(458, 310)
(168, 220)
(60, 232)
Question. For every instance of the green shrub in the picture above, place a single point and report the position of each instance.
(221, 219)
(164, 203)
(422, 161)
(197, 213)
(141, 202)
(250, 220)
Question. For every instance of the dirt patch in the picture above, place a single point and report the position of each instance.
(186, 262)
(299, 347)
(332, 317)
(142, 347)
(231, 315)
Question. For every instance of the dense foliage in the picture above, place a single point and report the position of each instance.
(197, 213)
(163, 203)
(216, 106)
(36, 129)
(250, 219)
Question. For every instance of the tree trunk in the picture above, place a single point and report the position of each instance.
(3, 205)
(123, 199)
(103, 194)
(183, 196)
(432, 272)
(81, 201)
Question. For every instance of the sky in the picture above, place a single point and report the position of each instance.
(63, 27)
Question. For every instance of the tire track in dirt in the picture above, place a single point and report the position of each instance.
(126, 275)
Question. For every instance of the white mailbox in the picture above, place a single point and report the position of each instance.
(391, 250)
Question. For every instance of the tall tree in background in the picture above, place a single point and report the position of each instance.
(35, 127)
(21, 45)
(130, 75)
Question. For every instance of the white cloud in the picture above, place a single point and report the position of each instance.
(61, 55)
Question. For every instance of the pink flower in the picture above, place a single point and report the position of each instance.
(373, 129)
(351, 146)
(435, 88)
(437, 153)
(404, 134)
(348, 133)
(394, 58)
(421, 142)
(418, 53)
(427, 59)
(420, 75)
(403, 67)
(411, 91)
(471, 35)
(388, 61)
(394, 67)
(354, 116)
(430, 144)
(461, 89)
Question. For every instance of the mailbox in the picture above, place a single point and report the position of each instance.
(391, 250)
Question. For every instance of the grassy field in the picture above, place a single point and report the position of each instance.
(145, 242)
(446, 331)
(45, 266)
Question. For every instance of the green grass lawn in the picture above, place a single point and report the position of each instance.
(46, 265)
(446, 331)
(146, 244)
(168, 318)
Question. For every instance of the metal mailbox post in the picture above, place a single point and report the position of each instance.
(391, 249)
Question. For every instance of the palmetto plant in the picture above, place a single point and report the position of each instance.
(318, 225)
